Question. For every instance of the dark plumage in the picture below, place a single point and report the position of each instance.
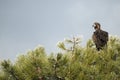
(99, 37)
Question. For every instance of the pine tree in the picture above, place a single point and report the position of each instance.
(74, 62)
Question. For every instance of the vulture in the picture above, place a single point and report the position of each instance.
(99, 37)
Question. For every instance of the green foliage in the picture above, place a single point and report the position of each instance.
(72, 63)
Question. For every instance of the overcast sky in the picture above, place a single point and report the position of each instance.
(25, 24)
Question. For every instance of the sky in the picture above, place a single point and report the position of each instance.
(25, 24)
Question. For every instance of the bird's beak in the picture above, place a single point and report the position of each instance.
(93, 25)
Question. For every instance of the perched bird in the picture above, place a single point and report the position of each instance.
(100, 37)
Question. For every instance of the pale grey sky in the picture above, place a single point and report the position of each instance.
(24, 24)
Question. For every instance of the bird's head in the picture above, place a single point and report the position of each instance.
(96, 25)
